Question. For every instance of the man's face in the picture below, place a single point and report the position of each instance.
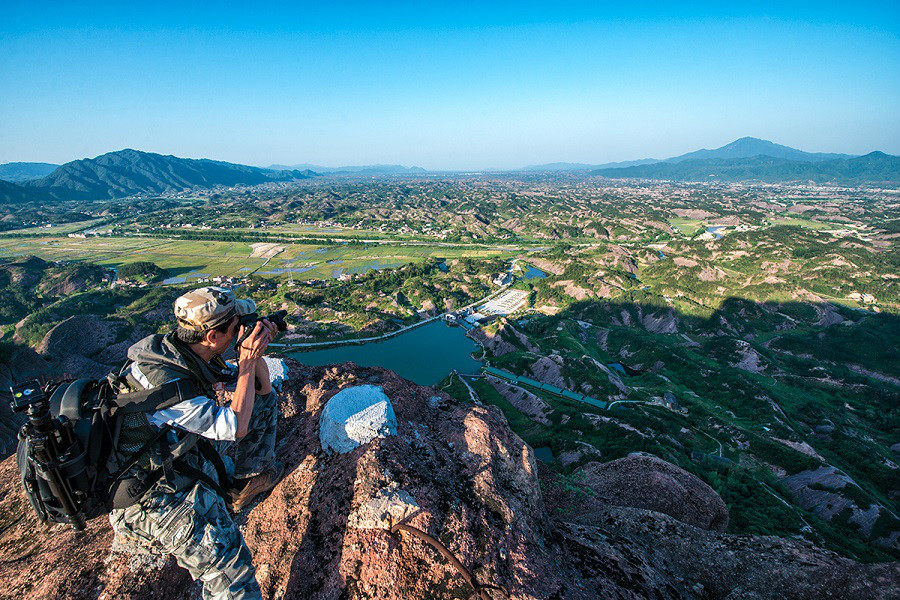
(218, 341)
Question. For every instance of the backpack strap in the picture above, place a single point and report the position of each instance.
(209, 453)
(195, 473)
(168, 455)
(153, 399)
(170, 459)
(125, 492)
(130, 491)
(137, 454)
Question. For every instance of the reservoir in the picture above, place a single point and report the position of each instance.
(533, 273)
(424, 355)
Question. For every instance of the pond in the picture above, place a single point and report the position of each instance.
(184, 278)
(715, 229)
(533, 273)
(424, 355)
(376, 264)
(544, 454)
(287, 270)
(618, 367)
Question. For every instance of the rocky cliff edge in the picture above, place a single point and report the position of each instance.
(457, 473)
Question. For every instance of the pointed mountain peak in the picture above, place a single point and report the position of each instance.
(747, 147)
(751, 142)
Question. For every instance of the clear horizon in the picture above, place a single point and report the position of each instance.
(449, 87)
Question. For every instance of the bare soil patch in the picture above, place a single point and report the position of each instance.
(265, 250)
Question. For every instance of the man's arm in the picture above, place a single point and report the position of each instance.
(200, 415)
(263, 377)
(249, 354)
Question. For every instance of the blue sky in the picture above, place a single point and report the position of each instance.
(450, 85)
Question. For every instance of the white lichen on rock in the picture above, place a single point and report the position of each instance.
(388, 507)
(355, 416)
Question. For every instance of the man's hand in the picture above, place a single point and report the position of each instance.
(252, 348)
(249, 353)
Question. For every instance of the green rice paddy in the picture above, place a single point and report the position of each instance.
(192, 259)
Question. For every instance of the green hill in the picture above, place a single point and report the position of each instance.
(10, 193)
(131, 172)
(748, 147)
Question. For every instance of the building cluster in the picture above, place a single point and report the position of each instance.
(863, 298)
(90, 233)
(502, 279)
(506, 303)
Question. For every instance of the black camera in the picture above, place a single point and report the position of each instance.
(248, 321)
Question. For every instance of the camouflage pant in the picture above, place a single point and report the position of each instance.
(255, 452)
(194, 525)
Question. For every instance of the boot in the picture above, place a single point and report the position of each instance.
(239, 497)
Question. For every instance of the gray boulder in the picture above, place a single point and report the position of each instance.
(644, 481)
(581, 451)
(355, 416)
(828, 492)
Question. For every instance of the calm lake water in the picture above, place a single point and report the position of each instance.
(533, 273)
(424, 355)
(544, 454)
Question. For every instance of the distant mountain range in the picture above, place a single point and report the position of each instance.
(750, 159)
(749, 147)
(873, 168)
(130, 172)
(564, 166)
(357, 170)
(17, 172)
(745, 147)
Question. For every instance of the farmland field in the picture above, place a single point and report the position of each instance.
(59, 229)
(184, 260)
(806, 223)
(688, 227)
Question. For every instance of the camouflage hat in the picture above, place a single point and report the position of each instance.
(208, 307)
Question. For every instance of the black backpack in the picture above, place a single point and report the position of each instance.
(67, 456)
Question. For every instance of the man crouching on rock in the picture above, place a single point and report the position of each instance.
(182, 513)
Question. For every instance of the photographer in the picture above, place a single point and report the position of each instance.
(183, 515)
